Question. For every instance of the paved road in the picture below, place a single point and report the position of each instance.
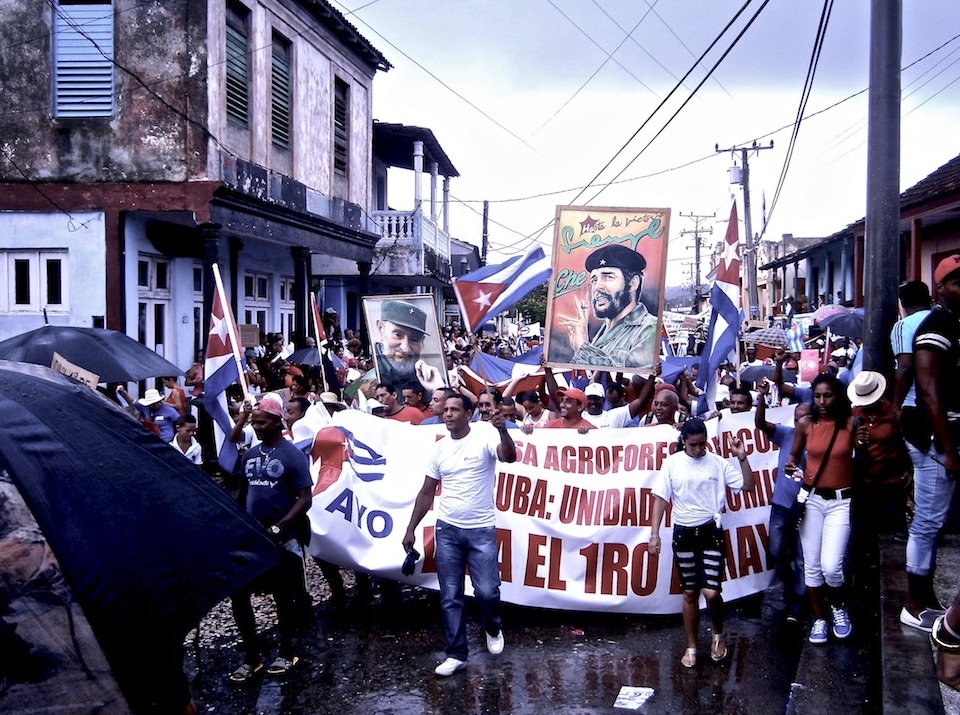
(380, 659)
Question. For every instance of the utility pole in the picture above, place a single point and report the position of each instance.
(881, 244)
(483, 250)
(697, 220)
(750, 254)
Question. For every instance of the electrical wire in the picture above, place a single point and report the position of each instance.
(664, 101)
(686, 101)
(804, 98)
(608, 58)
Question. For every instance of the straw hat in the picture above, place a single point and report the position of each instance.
(866, 388)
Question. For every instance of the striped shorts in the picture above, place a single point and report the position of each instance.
(698, 553)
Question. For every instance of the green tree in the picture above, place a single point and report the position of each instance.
(533, 308)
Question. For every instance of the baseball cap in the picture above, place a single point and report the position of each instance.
(594, 389)
(948, 265)
(573, 392)
(271, 407)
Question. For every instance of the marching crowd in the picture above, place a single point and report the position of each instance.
(862, 456)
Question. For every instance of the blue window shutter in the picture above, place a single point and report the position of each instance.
(83, 80)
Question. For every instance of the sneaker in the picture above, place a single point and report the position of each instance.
(818, 633)
(450, 666)
(495, 643)
(923, 621)
(842, 627)
(282, 665)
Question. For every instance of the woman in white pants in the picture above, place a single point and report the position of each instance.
(827, 437)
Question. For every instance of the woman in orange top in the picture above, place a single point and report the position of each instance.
(177, 397)
(827, 437)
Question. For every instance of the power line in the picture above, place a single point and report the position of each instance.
(448, 87)
(663, 102)
(804, 98)
(608, 58)
(687, 100)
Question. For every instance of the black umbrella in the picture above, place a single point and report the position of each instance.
(848, 324)
(755, 373)
(147, 542)
(113, 356)
(305, 356)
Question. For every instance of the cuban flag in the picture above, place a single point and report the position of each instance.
(795, 339)
(725, 319)
(490, 290)
(221, 368)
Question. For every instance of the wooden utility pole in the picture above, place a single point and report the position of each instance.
(749, 253)
(697, 286)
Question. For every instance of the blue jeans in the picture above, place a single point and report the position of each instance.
(456, 549)
(932, 494)
(786, 556)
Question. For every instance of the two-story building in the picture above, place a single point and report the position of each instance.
(145, 141)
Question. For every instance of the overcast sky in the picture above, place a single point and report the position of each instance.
(542, 108)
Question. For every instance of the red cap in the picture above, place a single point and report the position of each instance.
(576, 394)
(945, 267)
(665, 386)
(271, 407)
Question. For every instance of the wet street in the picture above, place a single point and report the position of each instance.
(379, 658)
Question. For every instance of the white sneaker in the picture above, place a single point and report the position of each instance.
(450, 666)
(495, 643)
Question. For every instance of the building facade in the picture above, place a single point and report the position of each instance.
(147, 141)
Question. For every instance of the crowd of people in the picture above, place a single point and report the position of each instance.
(862, 456)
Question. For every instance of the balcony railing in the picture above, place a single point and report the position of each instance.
(414, 244)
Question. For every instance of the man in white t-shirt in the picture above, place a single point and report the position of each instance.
(465, 531)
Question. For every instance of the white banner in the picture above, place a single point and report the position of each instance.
(573, 512)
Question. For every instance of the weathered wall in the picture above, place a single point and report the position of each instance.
(160, 82)
(318, 57)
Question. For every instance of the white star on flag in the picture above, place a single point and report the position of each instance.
(219, 328)
(730, 254)
(483, 299)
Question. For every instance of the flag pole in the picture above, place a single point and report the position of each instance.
(317, 334)
(232, 329)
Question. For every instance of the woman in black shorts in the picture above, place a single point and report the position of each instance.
(696, 481)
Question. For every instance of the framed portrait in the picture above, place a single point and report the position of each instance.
(605, 298)
(407, 343)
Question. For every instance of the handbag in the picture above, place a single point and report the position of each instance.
(805, 491)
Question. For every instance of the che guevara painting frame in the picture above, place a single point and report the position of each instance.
(605, 297)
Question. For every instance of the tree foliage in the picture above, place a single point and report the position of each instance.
(533, 308)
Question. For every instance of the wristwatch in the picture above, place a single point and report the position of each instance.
(274, 530)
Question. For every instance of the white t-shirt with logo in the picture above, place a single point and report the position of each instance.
(466, 470)
(697, 487)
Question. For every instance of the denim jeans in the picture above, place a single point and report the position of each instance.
(932, 495)
(456, 549)
(786, 555)
(825, 534)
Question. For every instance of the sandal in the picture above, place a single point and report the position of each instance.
(282, 665)
(245, 672)
(689, 658)
(718, 648)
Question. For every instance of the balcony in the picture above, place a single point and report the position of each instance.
(411, 246)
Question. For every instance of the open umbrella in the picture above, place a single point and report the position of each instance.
(771, 337)
(825, 311)
(849, 324)
(147, 543)
(755, 373)
(113, 356)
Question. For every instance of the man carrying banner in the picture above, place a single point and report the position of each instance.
(465, 532)
(628, 335)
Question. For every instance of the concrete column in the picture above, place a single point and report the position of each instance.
(363, 267)
(844, 268)
(434, 168)
(446, 205)
(301, 297)
(913, 272)
(417, 174)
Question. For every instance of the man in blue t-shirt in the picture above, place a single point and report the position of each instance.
(275, 488)
(784, 538)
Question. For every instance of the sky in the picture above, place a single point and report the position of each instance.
(530, 99)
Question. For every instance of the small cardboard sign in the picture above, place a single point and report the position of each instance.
(809, 365)
(75, 372)
(249, 335)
